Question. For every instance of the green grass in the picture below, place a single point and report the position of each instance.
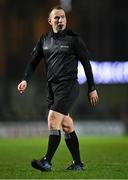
(106, 158)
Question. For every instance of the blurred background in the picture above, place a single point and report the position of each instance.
(103, 24)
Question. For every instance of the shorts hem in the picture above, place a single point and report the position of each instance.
(59, 111)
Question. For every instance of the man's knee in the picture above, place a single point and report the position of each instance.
(67, 124)
(54, 120)
(66, 128)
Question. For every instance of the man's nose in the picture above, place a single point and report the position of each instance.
(60, 20)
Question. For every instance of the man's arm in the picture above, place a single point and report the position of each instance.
(84, 57)
(37, 55)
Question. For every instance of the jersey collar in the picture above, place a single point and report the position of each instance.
(59, 34)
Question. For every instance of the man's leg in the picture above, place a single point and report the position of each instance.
(72, 142)
(54, 126)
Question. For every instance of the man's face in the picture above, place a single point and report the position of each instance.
(57, 19)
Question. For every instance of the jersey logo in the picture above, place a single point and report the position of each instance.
(64, 46)
(45, 47)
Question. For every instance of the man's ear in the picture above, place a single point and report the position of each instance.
(49, 21)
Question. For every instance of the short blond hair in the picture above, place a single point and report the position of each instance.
(58, 7)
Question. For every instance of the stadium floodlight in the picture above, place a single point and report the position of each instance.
(66, 4)
(106, 72)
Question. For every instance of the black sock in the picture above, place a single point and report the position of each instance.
(73, 146)
(53, 143)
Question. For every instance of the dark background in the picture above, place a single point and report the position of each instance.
(103, 24)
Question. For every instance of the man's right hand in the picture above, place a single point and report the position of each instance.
(22, 86)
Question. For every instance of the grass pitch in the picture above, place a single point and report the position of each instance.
(106, 158)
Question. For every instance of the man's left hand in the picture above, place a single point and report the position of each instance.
(93, 97)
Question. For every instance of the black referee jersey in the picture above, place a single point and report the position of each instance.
(61, 52)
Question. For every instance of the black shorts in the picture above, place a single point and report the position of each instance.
(62, 95)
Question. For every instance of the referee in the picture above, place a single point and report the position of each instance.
(61, 48)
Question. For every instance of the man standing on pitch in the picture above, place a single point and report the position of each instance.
(61, 49)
